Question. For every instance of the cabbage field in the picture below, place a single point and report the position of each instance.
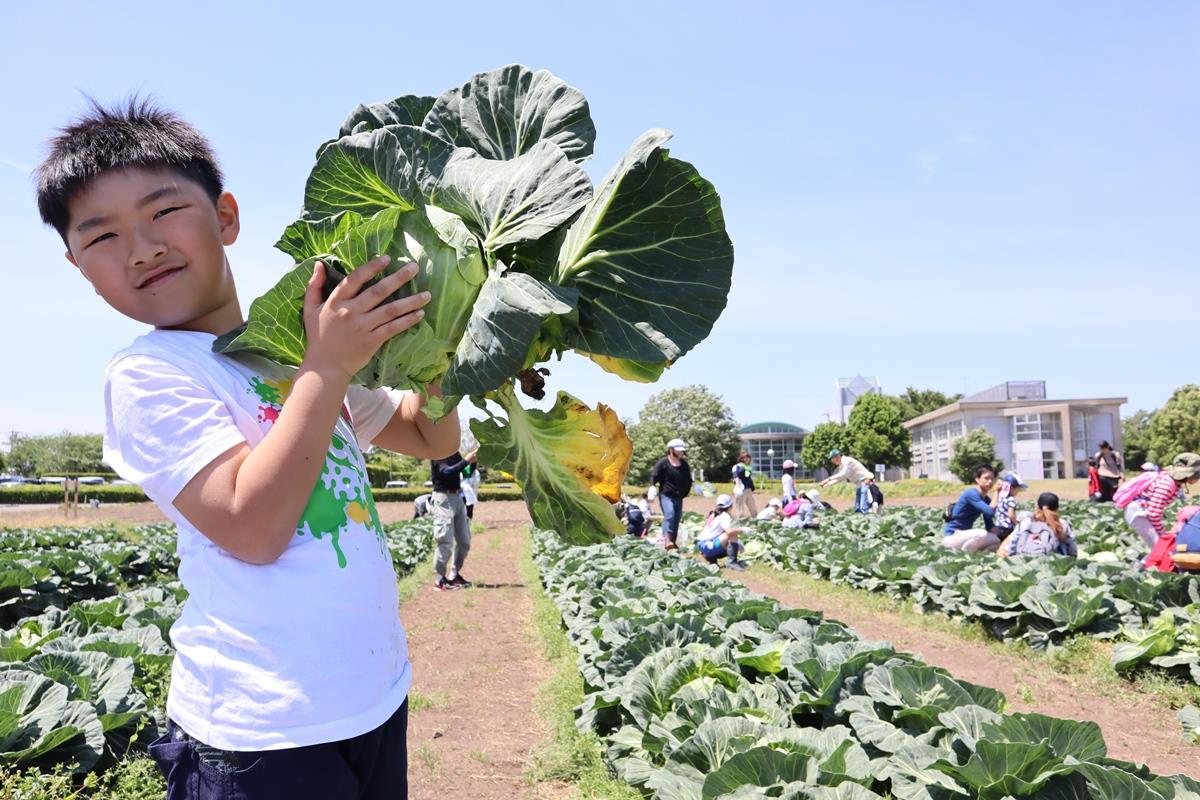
(1153, 618)
(700, 689)
(85, 653)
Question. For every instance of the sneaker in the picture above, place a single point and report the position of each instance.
(459, 582)
(736, 565)
(443, 585)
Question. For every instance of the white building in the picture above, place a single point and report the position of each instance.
(1035, 437)
(848, 392)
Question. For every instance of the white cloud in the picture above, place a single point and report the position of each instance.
(927, 162)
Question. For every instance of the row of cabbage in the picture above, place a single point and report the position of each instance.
(44, 567)
(83, 682)
(700, 689)
(1154, 617)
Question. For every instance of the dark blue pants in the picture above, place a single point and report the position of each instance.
(373, 766)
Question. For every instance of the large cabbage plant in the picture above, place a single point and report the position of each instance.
(525, 259)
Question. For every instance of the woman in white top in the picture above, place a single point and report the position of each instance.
(720, 537)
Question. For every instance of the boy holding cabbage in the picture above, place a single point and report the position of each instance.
(291, 671)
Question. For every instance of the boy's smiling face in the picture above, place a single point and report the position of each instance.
(152, 243)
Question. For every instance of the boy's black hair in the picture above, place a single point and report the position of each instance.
(137, 134)
(983, 468)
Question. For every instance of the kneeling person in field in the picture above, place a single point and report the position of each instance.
(720, 537)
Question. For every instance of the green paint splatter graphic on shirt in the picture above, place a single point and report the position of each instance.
(342, 495)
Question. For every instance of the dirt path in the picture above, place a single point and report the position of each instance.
(1133, 727)
(476, 672)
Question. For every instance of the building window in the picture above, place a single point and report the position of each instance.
(1035, 427)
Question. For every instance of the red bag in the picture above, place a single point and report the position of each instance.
(1160, 555)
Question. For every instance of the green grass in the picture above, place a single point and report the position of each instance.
(410, 584)
(418, 701)
(1083, 662)
(570, 756)
(132, 779)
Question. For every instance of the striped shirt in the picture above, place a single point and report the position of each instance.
(1158, 495)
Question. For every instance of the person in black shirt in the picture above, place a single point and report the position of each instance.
(451, 528)
(672, 479)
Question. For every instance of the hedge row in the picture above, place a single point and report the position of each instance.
(48, 493)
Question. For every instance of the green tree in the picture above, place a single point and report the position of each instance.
(384, 465)
(63, 453)
(876, 433)
(691, 413)
(1135, 432)
(915, 402)
(825, 437)
(976, 448)
(1175, 428)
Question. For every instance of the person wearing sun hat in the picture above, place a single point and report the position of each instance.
(1144, 514)
(671, 479)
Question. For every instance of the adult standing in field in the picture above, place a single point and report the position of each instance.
(788, 479)
(851, 470)
(960, 532)
(671, 479)
(1156, 491)
(1110, 469)
(451, 527)
(743, 487)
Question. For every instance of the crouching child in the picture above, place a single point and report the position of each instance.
(720, 538)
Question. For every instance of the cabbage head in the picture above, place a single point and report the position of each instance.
(525, 259)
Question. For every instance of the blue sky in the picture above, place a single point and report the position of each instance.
(945, 195)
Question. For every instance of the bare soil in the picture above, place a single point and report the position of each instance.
(477, 671)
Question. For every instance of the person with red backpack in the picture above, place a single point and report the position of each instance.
(1146, 497)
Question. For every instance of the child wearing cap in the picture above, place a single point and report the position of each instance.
(720, 537)
(772, 511)
(1004, 521)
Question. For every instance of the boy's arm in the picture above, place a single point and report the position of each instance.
(248, 501)
(412, 433)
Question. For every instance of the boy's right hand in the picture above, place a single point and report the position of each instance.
(345, 330)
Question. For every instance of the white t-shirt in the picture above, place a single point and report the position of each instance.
(789, 486)
(716, 526)
(308, 649)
